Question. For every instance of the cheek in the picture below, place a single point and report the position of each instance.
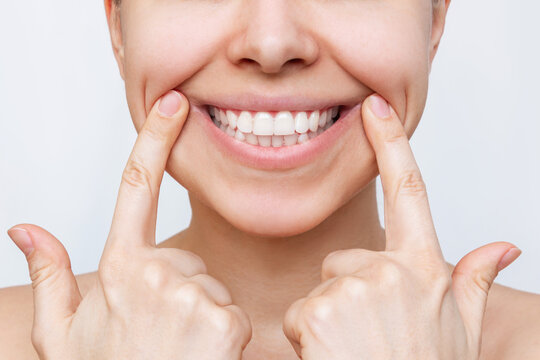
(386, 47)
(165, 48)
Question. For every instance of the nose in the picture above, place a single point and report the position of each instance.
(272, 38)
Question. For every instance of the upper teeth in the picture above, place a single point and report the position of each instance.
(283, 123)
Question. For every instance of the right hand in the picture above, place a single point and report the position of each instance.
(146, 302)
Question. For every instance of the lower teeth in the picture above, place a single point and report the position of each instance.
(275, 140)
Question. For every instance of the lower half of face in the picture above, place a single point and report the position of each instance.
(250, 186)
(274, 141)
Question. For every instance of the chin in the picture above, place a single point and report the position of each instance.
(276, 216)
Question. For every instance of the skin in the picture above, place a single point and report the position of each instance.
(351, 48)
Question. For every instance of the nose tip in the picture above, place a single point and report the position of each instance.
(272, 55)
(273, 39)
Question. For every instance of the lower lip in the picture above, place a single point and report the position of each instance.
(277, 158)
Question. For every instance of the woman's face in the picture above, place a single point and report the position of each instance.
(276, 55)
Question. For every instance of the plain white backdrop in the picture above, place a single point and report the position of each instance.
(65, 133)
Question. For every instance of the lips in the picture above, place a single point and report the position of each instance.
(275, 158)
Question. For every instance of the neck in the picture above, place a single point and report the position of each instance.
(266, 275)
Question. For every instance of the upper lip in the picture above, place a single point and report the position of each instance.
(255, 102)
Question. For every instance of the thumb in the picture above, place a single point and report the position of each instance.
(56, 294)
(473, 276)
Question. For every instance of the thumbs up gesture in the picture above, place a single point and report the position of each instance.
(148, 302)
(401, 303)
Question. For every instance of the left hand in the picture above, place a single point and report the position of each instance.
(401, 303)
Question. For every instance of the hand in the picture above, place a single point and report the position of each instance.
(147, 302)
(401, 303)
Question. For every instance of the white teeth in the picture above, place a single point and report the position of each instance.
(265, 130)
(265, 141)
(222, 117)
(231, 118)
(322, 118)
(239, 135)
(230, 131)
(284, 123)
(290, 139)
(252, 139)
(277, 141)
(314, 120)
(263, 124)
(303, 138)
(245, 123)
(301, 122)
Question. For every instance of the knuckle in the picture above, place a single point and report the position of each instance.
(411, 183)
(328, 263)
(226, 322)
(43, 272)
(157, 130)
(156, 274)
(199, 266)
(397, 136)
(38, 338)
(352, 286)
(317, 311)
(189, 294)
(136, 174)
(109, 276)
(390, 273)
(482, 281)
(108, 272)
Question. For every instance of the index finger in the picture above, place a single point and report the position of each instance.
(134, 219)
(407, 216)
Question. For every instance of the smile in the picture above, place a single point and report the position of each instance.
(276, 129)
(276, 133)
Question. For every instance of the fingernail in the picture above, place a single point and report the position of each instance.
(379, 106)
(508, 258)
(170, 103)
(22, 239)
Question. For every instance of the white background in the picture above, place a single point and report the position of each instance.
(65, 133)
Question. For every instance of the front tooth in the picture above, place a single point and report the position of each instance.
(265, 141)
(301, 122)
(223, 117)
(263, 124)
(290, 139)
(322, 118)
(231, 118)
(251, 139)
(314, 120)
(284, 123)
(245, 122)
(277, 141)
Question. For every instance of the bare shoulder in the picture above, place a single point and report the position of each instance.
(511, 325)
(16, 317)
